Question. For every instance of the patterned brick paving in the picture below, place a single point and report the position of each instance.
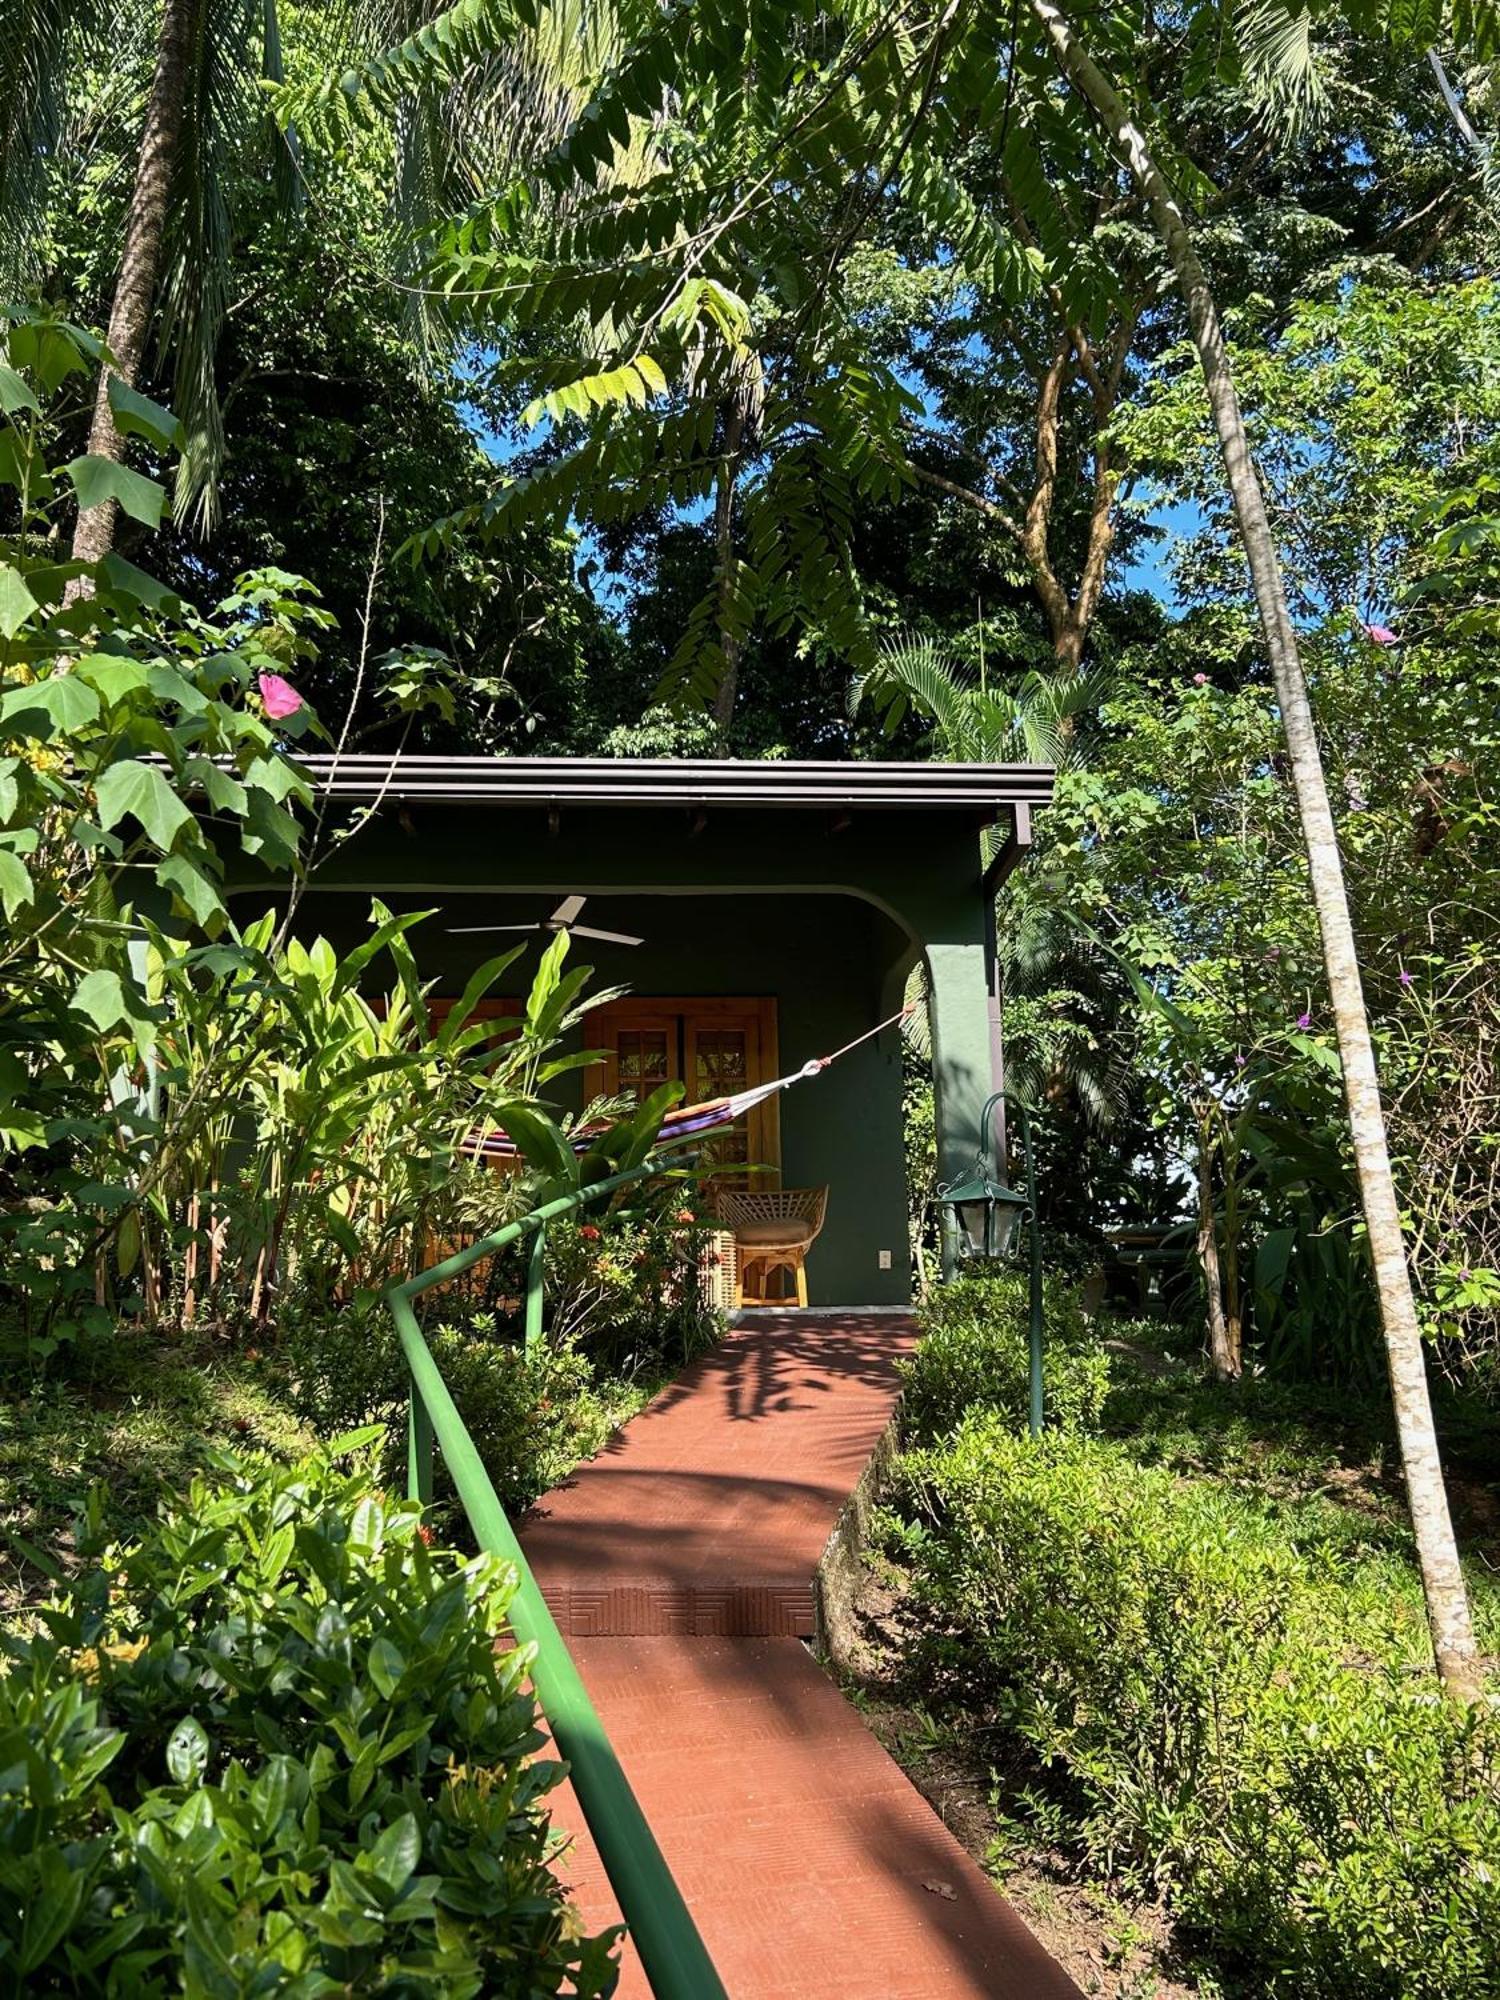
(681, 1563)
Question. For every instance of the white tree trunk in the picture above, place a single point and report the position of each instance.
(1448, 1613)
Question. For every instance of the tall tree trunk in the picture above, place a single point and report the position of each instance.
(1223, 1332)
(729, 639)
(1448, 1613)
(135, 288)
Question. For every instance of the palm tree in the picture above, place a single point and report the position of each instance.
(1043, 957)
(208, 128)
(205, 122)
(973, 719)
(1448, 1611)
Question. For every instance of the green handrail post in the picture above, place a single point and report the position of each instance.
(534, 1269)
(674, 1956)
(418, 1449)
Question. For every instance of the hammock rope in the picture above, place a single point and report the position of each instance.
(687, 1119)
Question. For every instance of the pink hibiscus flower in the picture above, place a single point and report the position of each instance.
(280, 697)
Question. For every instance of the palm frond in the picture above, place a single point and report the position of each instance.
(227, 128)
(1275, 45)
(40, 49)
(1032, 723)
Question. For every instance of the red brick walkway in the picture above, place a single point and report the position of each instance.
(680, 1562)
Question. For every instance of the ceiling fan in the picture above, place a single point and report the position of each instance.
(563, 918)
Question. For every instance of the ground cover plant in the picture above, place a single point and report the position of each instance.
(1196, 1610)
(89, 1443)
(273, 1746)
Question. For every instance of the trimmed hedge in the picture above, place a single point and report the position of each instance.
(973, 1355)
(273, 1749)
(1243, 1718)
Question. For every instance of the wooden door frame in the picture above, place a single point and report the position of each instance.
(764, 1122)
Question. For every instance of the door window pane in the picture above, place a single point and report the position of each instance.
(721, 1066)
(645, 1061)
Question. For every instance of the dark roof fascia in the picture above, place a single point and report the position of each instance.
(622, 781)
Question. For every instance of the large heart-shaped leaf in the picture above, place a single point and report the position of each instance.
(142, 791)
(137, 416)
(98, 480)
(56, 706)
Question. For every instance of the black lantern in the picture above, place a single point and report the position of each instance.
(986, 1212)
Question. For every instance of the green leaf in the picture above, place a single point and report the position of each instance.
(191, 887)
(61, 705)
(97, 480)
(100, 996)
(223, 790)
(542, 1143)
(137, 416)
(50, 1915)
(273, 775)
(141, 790)
(187, 1751)
(119, 578)
(385, 1666)
(113, 677)
(271, 834)
(16, 886)
(14, 394)
(21, 466)
(16, 602)
(397, 1852)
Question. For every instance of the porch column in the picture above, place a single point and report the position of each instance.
(962, 1072)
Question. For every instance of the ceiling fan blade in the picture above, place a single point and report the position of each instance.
(487, 930)
(566, 911)
(609, 937)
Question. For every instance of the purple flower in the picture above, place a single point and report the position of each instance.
(1304, 1020)
(1465, 1274)
(1200, 680)
(1405, 977)
(1239, 1062)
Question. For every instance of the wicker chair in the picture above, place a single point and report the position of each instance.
(773, 1231)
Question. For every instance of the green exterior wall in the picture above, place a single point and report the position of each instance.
(825, 920)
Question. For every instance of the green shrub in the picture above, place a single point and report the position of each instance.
(1248, 1722)
(623, 1286)
(273, 1749)
(531, 1416)
(973, 1355)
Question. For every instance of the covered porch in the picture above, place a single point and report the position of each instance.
(762, 917)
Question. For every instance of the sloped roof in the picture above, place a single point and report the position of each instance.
(684, 781)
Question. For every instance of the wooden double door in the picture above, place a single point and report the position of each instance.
(714, 1048)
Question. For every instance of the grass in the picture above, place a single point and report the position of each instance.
(135, 1414)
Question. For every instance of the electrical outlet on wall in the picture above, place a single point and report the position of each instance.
(884, 1259)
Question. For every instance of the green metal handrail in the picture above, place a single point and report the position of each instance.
(676, 1962)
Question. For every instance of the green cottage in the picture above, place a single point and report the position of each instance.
(761, 914)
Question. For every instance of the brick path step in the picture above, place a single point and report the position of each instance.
(708, 1513)
(813, 1867)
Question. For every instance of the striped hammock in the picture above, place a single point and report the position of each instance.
(684, 1120)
